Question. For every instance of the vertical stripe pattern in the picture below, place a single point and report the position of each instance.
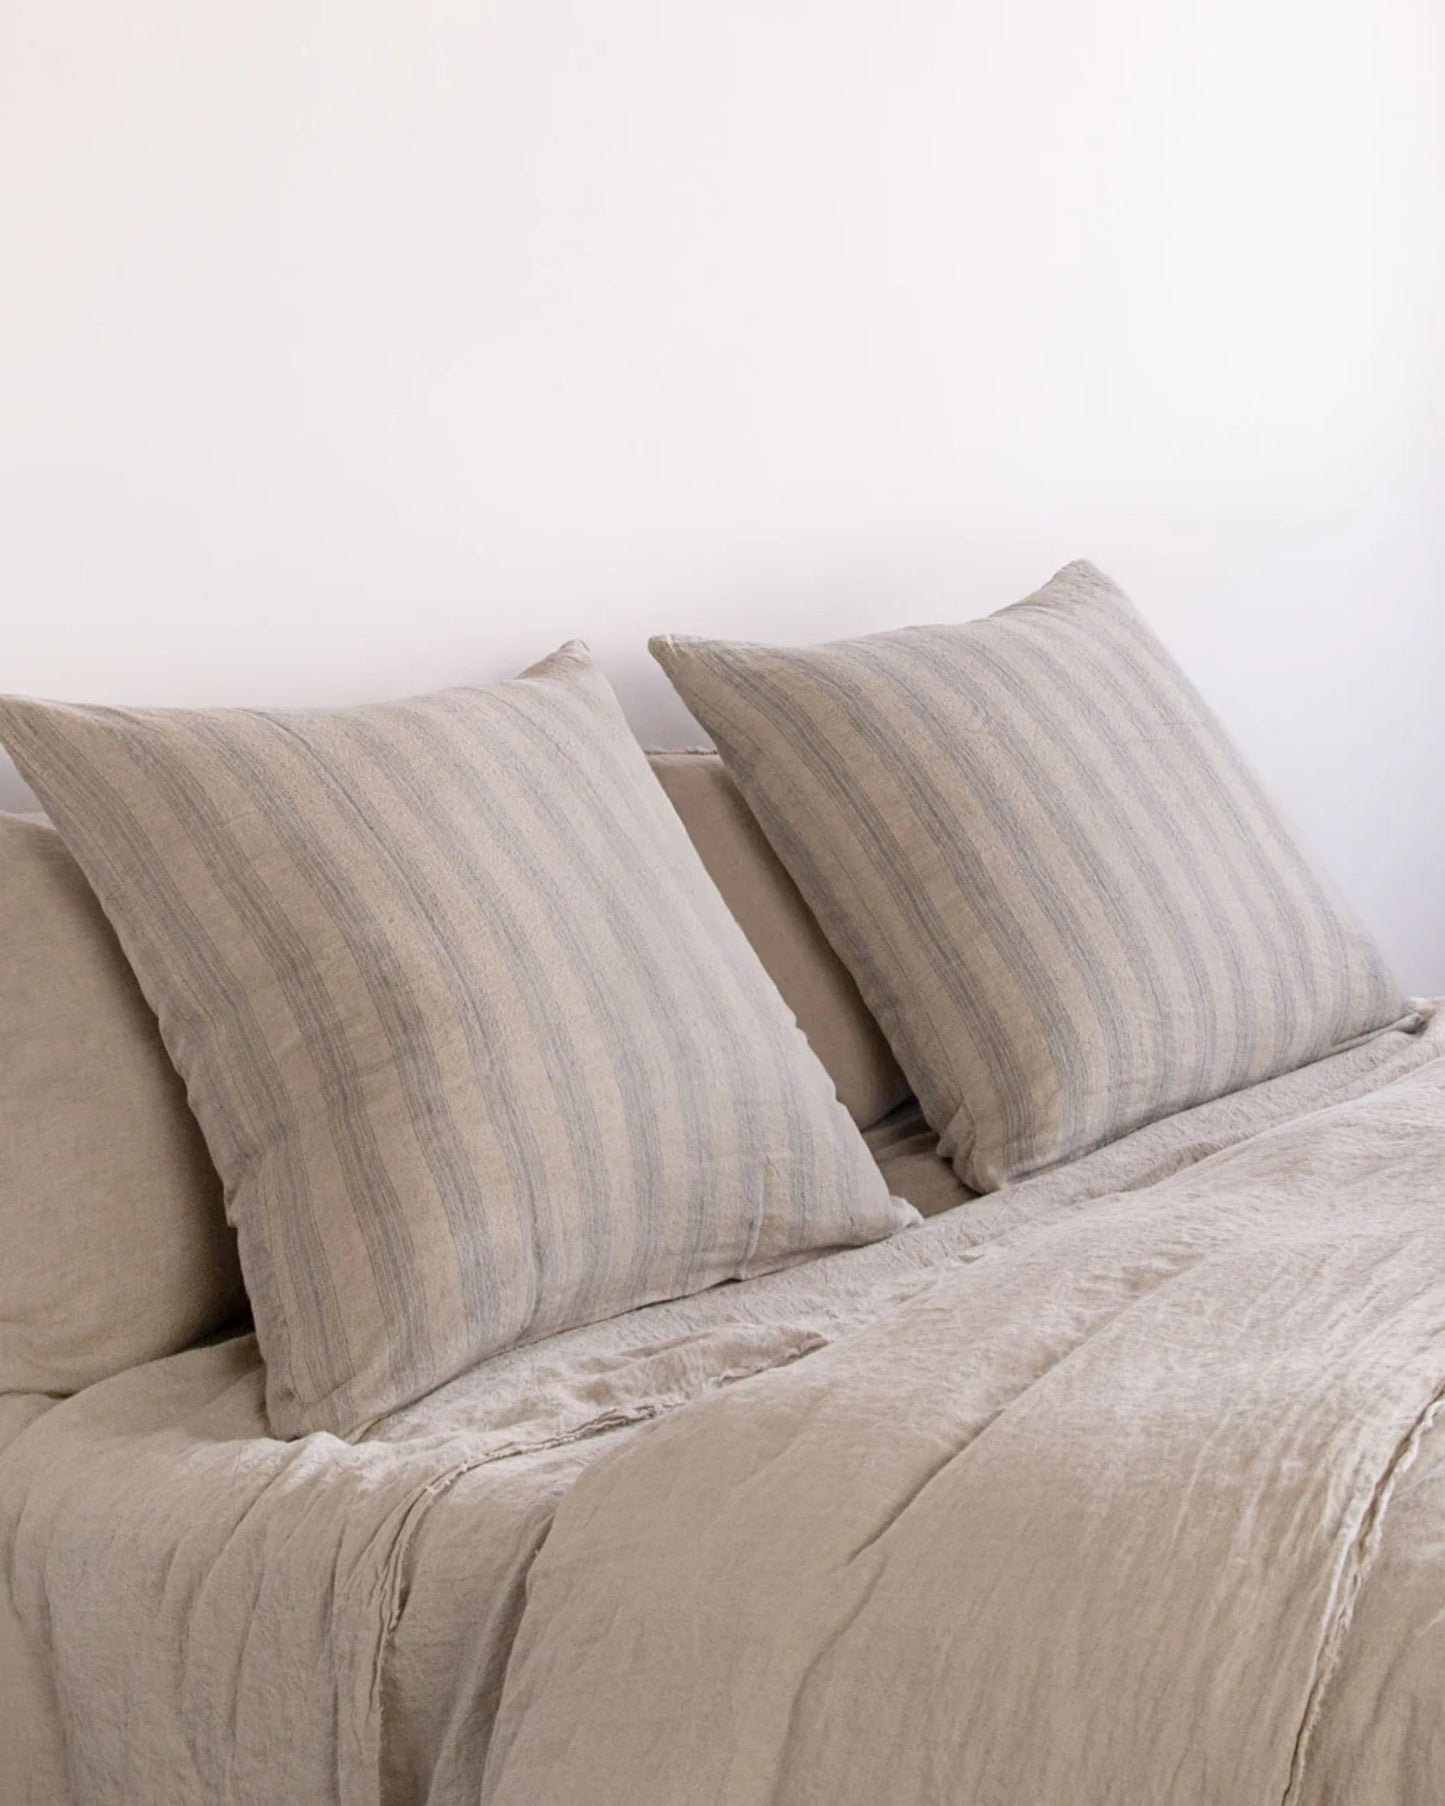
(477, 1047)
(1061, 892)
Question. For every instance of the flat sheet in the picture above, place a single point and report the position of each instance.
(222, 1614)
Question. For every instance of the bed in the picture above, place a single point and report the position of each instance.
(181, 1585)
(903, 1264)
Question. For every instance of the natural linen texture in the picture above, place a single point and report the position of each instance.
(476, 1045)
(1061, 892)
(1049, 1517)
(113, 1245)
(784, 933)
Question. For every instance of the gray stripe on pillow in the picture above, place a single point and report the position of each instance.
(478, 1048)
(1061, 892)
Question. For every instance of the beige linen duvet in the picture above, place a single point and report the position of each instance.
(1118, 1486)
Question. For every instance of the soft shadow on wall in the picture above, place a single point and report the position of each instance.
(388, 347)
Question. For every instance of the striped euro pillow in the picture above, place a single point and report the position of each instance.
(476, 1045)
(1062, 893)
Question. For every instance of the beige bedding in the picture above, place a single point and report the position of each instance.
(937, 1505)
(31, 1752)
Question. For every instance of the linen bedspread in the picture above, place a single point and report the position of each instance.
(1099, 1488)
(1109, 1515)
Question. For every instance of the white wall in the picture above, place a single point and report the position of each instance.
(350, 346)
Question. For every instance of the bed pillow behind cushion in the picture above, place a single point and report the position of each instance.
(784, 932)
(476, 1045)
(1060, 890)
(114, 1248)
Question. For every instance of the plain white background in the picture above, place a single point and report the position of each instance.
(354, 346)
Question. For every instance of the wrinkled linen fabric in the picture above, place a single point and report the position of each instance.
(1084, 1490)
(1087, 1522)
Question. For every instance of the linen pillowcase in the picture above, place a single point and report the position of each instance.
(114, 1248)
(816, 986)
(1060, 890)
(478, 1050)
